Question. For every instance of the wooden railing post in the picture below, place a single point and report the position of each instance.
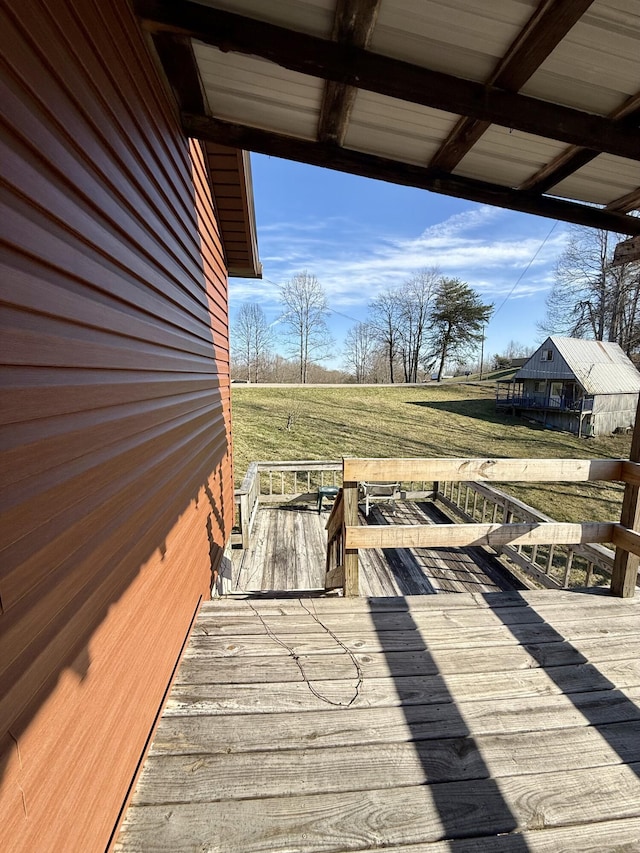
(245, 515)
(350, 498)
(625, 565)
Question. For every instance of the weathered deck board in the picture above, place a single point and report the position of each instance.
(608, 617)
(363, 820)
(350, 768)
(263, 732)
(476, 724)
(288, 552)
(329, 667)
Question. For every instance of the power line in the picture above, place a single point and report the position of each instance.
(525, 271)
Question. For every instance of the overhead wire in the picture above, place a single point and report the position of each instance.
(525, 271)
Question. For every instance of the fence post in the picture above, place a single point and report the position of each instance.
(350, 499)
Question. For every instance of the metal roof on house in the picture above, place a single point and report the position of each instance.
(532, 105)
(599, 366)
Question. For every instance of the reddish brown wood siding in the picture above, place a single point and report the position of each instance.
(117, 488)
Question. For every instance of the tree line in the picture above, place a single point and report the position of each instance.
(423, 324)
(431, 323)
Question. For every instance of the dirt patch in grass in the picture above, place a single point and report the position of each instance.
(456, 419)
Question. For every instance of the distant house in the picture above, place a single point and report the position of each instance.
(586, 387)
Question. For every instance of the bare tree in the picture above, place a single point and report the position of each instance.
(416, 301)
(385, 313)
(304, 318)
(252, 340)
(359, 351)
(590, 298)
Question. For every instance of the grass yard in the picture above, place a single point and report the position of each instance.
(452, 419)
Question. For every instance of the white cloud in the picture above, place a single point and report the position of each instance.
(488, 247)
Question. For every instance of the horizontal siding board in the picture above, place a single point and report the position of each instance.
(32, 229)
(66, 344)
(103, 112)
(42, 296)
(26, 397)
(115, 423)
(61, 618)
(73, 438)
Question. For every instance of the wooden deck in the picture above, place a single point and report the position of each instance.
(443, 724)
(288, 552)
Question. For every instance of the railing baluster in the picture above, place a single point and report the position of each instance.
(549, 564)
(567, 570)
(589, 573)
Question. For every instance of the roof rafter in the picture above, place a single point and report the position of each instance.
(397, 79)
(546, 28)
(380, 168)
(626, 203)
(575, 157)
(354, 21)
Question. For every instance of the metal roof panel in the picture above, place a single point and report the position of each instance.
(600, 367)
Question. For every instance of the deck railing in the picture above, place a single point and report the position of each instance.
(277, 482)
(496, 535)
(551, 566)
(542, 401)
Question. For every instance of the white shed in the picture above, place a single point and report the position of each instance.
(586, 387)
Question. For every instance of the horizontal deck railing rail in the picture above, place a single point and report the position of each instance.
(627, 541)
(275, 482)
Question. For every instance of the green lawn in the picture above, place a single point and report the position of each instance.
(452, 419)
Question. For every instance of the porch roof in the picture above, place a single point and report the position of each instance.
(528, 105)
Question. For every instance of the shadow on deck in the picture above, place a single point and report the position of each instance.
(442, 724)
(289, 545)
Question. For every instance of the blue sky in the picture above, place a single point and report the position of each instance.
(360, 237)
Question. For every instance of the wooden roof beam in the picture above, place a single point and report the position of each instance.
(179, 64)
(546, 28)
(353, 24)
(575, 157)
(626, 203)
(391, 77)
(380, 168)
